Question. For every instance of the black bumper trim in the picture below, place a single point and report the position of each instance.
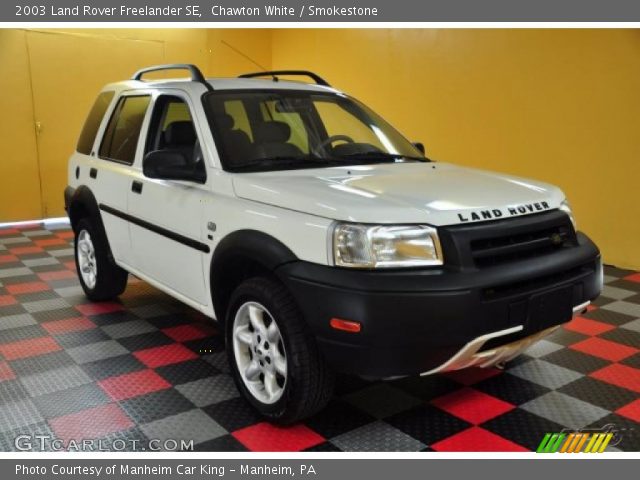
(414, 320)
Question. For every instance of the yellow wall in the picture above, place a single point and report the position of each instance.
(561, 106)
(53, 76)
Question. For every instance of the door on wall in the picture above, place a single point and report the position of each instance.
(67, 72)
(19, 173)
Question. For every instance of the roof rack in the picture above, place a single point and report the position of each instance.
(196, 74)
(274, 73)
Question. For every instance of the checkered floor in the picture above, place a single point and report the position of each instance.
(146, 367)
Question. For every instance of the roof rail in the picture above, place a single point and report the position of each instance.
(274, 73)
(196, 74)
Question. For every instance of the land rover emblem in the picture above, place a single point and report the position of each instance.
(556, 239)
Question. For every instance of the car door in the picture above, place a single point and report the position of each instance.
(110, 172)
(165, 216)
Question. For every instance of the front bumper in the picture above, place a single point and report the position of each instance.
(419, 321)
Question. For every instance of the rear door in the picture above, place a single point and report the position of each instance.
(111, 168)
(168, 238)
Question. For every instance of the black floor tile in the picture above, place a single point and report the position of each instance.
(154, 406)
(188, 371)
(599, 393)
(427, 424)
(511, 389)
(113, 367)
(522, 427)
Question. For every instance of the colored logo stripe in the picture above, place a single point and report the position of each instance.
(550, 443)
(598, 443)
(574, 442)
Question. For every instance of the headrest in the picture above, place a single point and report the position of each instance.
(224, 121)
(180, 133)
(272, 132)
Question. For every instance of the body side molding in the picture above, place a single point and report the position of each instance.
(177, 237)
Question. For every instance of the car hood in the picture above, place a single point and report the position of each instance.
(432, 193)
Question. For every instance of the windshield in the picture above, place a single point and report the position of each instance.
(280, 130)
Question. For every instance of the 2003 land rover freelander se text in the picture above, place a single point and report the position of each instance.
(320, 239)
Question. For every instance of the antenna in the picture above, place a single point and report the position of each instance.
(244, 55)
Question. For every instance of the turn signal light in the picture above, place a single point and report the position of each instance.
(345, 325)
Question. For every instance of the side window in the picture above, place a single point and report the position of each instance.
(172, 129)
(92, 123)
(177, 111)
(171, 126)
(123, 131)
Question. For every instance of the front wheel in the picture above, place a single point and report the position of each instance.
(100, 278)
(275, 361)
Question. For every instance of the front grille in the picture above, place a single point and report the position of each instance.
(512, 246)
(509, 240)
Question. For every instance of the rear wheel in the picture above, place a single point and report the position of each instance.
(101, 279)
(275, 360)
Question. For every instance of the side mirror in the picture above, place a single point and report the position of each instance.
(171, 165)
(420, 147)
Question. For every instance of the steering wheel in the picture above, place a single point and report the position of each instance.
(330, 140)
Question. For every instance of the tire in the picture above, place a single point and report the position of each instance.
(92, 254)
(307, 383)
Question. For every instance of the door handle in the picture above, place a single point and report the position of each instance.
(93, 172)
(136, 187)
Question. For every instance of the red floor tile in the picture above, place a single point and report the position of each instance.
(599, 347)
(29, 348)
(30, 287)
(631, 410)
(47, 242)
(8, 232)
(67, 325)
(634, 277)
(476, 439)
(469, 376)
(91, 424)
(587, 326)
(620, 375)
(6, 300)
(166, 355)
(185, 333)
(71, 265)
(472, 405)
(99, 308)
(8, 258)
(25, 250)
(66, 234)
(5, 372)
(133, 384)
(56, 275)
(591, 307)
(264, 437)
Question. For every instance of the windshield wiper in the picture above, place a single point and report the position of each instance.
(285, 161)
(382, 156)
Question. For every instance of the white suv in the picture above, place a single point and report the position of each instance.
(318, 236)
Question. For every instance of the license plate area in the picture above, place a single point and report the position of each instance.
(550, 308)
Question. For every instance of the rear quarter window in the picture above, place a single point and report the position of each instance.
(92, 123)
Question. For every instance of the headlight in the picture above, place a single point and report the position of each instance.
(566, 208)
(383, 246)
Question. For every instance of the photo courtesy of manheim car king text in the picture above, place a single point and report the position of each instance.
(319, 240)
